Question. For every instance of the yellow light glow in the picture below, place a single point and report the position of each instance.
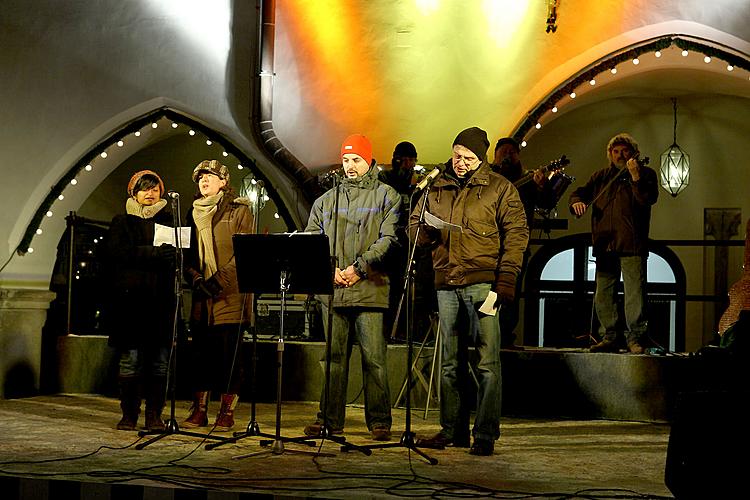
(505, 18)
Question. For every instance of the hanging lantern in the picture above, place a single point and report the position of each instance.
(675, 163)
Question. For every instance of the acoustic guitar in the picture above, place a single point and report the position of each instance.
(739, 292)
(550, 168)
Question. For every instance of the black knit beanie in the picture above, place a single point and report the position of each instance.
(475, 140)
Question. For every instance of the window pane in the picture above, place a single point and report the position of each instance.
(559, 267)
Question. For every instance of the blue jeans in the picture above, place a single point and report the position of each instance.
(366, 328)
(484, 330)
(151, 362)
(633, 268)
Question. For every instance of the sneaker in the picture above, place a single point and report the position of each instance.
(381, 433)
(606, 345)
(316, 430)
(482, 447)
(635, 347)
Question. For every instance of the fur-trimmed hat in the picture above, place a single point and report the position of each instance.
(357, 144)
(211, 167)
(137, 176)
(475, 140)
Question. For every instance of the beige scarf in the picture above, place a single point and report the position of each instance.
(203, 213)
(132, 207)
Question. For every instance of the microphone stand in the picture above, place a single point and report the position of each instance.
(171, 426)
(407, 438)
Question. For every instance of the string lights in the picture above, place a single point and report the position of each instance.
(588, 78)
(132, 132)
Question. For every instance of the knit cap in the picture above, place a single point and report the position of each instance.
(211, 167)
(357, 144)
(137, 176)
(405, 150)
(475, 140)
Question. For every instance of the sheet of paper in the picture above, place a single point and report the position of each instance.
(488, 307)
(439, 223)
(166, 234)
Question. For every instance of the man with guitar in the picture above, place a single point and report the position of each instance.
(620, 198)
(531, 188)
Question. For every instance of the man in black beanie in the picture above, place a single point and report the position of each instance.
(476, 262)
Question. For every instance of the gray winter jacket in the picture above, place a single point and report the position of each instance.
(368, 212)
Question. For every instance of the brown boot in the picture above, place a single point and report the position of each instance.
(198, 411)
(225, 418)
(130, 403)
(155, 404)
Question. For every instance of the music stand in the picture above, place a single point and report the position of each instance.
(172, 427)
(283, 263)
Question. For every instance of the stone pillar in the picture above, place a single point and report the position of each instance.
(22, 316)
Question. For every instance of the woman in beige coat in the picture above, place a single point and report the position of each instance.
(219, 310)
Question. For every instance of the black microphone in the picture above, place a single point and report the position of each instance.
(173, 194)
(429, 178)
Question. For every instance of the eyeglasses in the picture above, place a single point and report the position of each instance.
(468, 160)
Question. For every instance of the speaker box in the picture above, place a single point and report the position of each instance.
(707, 454)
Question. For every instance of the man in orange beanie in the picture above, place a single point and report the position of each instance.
(362, 232)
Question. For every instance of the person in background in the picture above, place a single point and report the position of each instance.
(219, 311)
(482, 256)
(142, 307)
(365, 227)
(620, 197)
(507, 162)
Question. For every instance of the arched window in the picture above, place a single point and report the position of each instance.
(559, 290)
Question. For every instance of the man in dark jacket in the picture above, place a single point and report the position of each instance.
(620, 197)
(476, 262)
(531, 189)
(360, 217)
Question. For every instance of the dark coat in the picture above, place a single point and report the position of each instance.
(620, 216)
(141, 283)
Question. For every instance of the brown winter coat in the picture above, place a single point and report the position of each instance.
(494, 235)
(232, 216)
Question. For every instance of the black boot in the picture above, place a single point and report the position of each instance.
(130, 402)
(155, 396)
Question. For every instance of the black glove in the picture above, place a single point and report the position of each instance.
(206, 288)
(505, 288)
(165, 252)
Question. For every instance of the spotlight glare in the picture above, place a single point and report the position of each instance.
(657, 53)
(239, 167)
(523, 144)
(39, 231)
(707, 59)
(154, 125)
(103, 154)
(208, 142)
(613, 71)
(684, 53)
(224, 153)
(49, 213)
(276, 216)
(88, 168)
(191, 132)
(538, 126)
(592, 82)
(73, 181)
(554, 109)
(253, 181)
(120, 143)
(730, 68)
(137, 133)
(61, 197)
(636, 61)
(174, 125)
(572, 95)
(30, 250)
